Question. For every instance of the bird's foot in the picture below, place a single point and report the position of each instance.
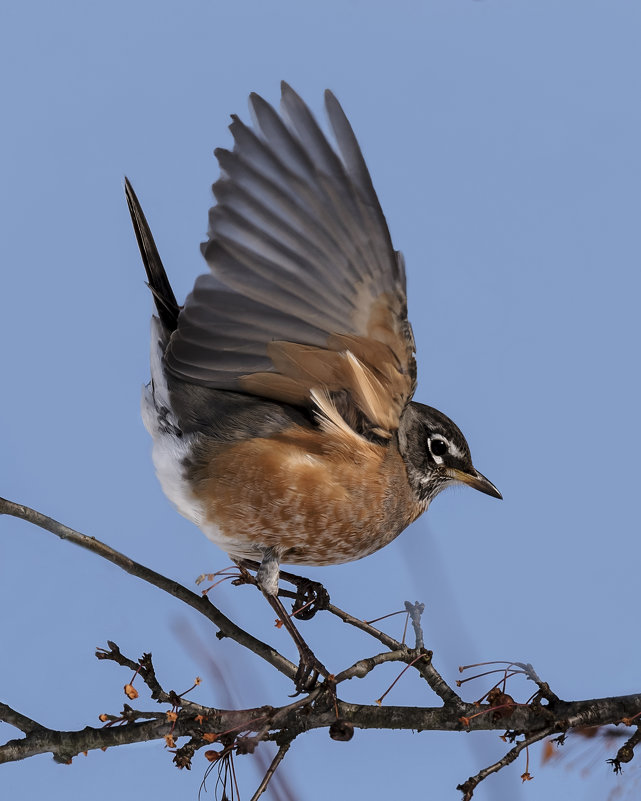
(311, 596)
(309, 670)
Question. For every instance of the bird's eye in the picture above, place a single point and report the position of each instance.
(438, 447)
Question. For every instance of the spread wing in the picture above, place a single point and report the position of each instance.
(306, 299)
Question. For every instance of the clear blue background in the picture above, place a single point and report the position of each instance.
(503, 140)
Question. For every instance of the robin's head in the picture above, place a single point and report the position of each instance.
(436, 453)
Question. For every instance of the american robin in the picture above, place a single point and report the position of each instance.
(280, 396)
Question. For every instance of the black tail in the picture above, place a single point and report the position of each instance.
(158, 282)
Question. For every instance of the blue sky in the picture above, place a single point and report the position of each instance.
(503, 140)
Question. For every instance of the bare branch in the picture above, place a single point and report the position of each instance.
(302, 716)
(423, 666)
(201, 603)
(626, 752)
(64, 745)
(468, 787)
(242, 730)
(361, 668)
(22, 722)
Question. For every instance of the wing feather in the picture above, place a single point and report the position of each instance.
(306, 301)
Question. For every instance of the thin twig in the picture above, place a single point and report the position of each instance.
(468, 787)
(390, 642)
(271, 770)
(544, 687)
(145, 669)
(379, 701)
(415, 610)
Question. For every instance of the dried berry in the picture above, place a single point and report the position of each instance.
(341, 730)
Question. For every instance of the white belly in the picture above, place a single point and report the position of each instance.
(170, 455)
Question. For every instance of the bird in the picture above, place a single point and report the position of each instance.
(280, 402)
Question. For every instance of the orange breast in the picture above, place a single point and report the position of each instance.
(315, 498)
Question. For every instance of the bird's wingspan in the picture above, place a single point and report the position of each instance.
(306, 293)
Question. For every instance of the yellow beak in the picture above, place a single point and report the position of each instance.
(476, 480)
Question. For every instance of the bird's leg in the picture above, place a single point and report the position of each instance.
(268, 572)
(309, 667)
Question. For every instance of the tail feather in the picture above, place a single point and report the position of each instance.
(164, 298)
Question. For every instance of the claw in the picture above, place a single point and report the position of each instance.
(311, 597)
(309, 669)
